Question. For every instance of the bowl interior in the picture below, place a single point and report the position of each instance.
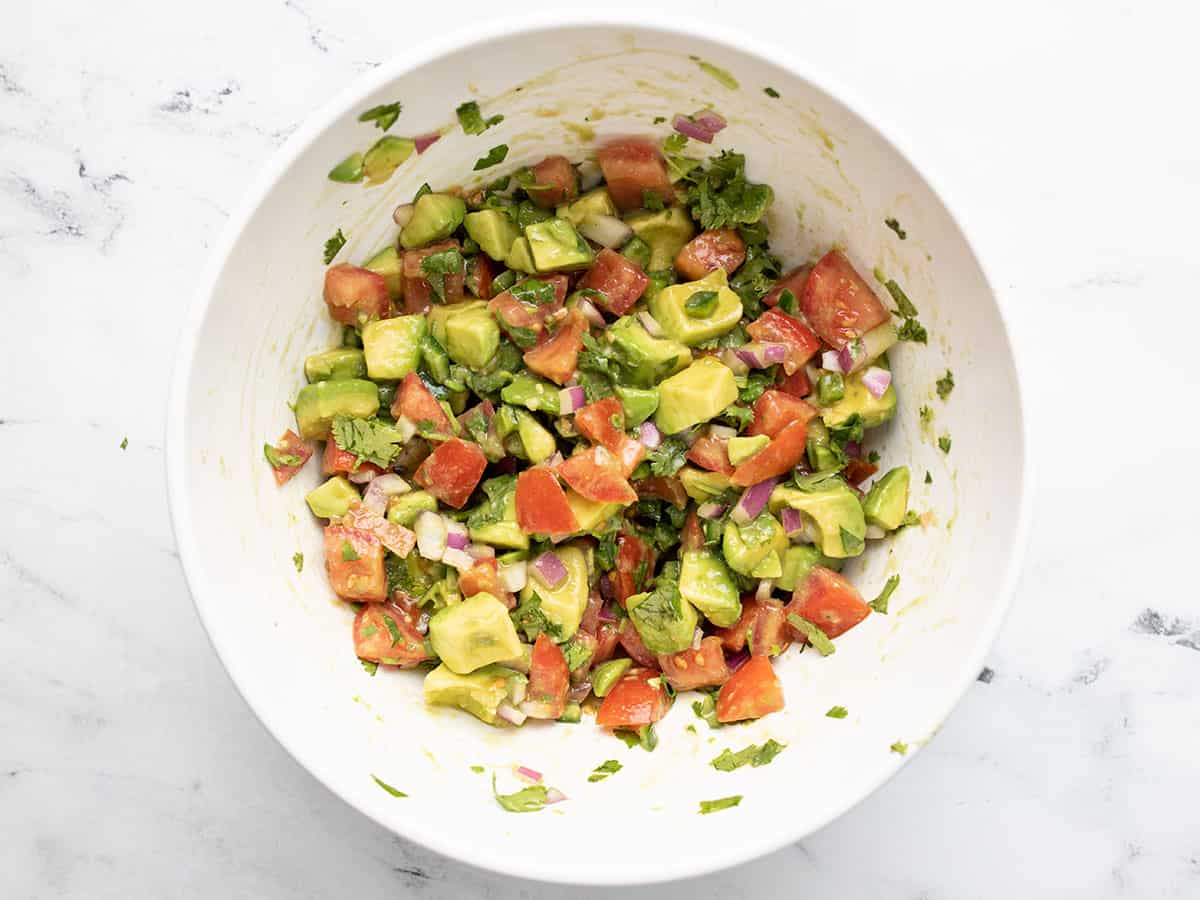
(286, 640)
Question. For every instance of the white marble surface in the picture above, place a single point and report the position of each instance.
(1066, 134)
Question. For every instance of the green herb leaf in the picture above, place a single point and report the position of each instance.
(945, 384)
(700, 304)
(944, 443)
(722, 76)
(926, 415)
(370, 440)
(349, 170)
(369, 667)
(880, 603)
(606, 768)
(298, 561)
(711, 806)
(494, 157)
(895, 226)
(788, 302)
(124, 443)
(873, 457)
(754, 755)
(393, 629)
(771, 92)
(384, 116)
(912, 330)
(658, 120)
(437, 266)
(669, 457)
(577, 655)
(721, 197)
(651, 201)
(629, 738)
(664, 605)
(756, 383)
(333, 245)
(851, 543)
(478, 770)
(530, 799)
(606, 553)
(837, 712)
(529, 618)
(706, 708)
(928, 477)
(906, 310)
(815, 635)
(899, 747)
(472, 120)
(387, 787)
(533, 290)
(349, 554)
(737, 416)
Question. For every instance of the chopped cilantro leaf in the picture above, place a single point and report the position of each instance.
(873, 456)
(658, 120)
(895, 226)
(711, 806)
(899, 747)
(912, 330)
(384, 116)
(349, 554)
(928, 477)
(721, 197)
(437, 266)
(837, 712)
(369, 667)
(606, 768)
(756, 383)
(529, 618)
(478, 770)
(905, 306)
(652, 201)
(880, 603)
(815, 635)
(387, 787)
(706, 708)
(577, 655)
(494, 157)
(124, 443)
(945, 384)
(753, 755)
(669, 457)
(394, 631)
(370, 440)
(333, 245)
(771, 92)
(298, 561)
(533, 290)
(944, 443)
(926, 415)
(472, 121)
(422, 191)
(529, 799)
(737, 416)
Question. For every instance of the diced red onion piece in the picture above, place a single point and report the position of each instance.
(430, 529)
(793, 522)
(571, 399)
(362, 476)
(510, 715)
(854, 448)
(579, 692)
(458, 559)
(830, 361)
(423, 142)
(876, 380)
(381, 487)
(752, 501)
(711, 510)
(650, 324)
(689, 128)
(606, 590)
(649, 435)
(554, 795)
(555, 459)
(736, 660)
(512, 576)
(758, 355)
(733, 361)
(550, 569)
(765, 588)
(851, 355)
(722, 432)
(607, 613)
(403, 214)
(533, 776)
(593, 315)
(710, 119)
(456, 535)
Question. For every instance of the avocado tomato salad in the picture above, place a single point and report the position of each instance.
(587, 445)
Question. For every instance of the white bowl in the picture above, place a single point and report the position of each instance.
(286, 641)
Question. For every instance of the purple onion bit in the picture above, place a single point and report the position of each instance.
(550, 569)
(691, 128)
(736, 660)
(752, 501)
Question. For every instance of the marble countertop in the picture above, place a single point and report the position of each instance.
(129, 767)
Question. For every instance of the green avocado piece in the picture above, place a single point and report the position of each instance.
(702, 485)
(472, 334)
(403, 509)
(596, 202)
(591, 514)
(666, 231)
(638, 251)
(434, 218)
(798, 561)
(564, 604)
(858, 399)
(520, 256)
(746, 546)
(605, 675)
(318, 403)
(385, 155)
(770, 566)
(834, 511)
(887, 500)
(538, 442)
(474, 633)
(333, 498)
(695, 395)
(638, 404)
(664, 620)
(555, 246)
(646, 360)
(392, 347)
(741, 449)
(668, 308)
(706, 583)
(493, 230)
(505, 532)
(532, 393)
(335, 365)
(821, 457)
(480, 693)
(387, 262)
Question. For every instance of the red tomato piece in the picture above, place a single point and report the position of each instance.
(517, 319)
(784, 452)
(336, 461)
(603, 422)
(452, 471)
(621, 281)
(554, 182)
(633, 167)
(664, 487)
(591, 613)
(385, 635)
(482, 578)
(542, 506)
(775, 410)
(774, 325)
(829, 601)
(708, 251)
(734, 637)
(416, 403)
(631, 642)
(418, 293)
(596, 475)
(630, 453)
(480, 272)
(608, 637)
(763, 624)
(750, 693)
(792, 280)
(356, 296)
(838, 302)
(397, 538)
(556, 359)
(692, 535)
(858, 470)
(354, 560)
(635, 569)
(549, 681)
(293, 453)
(710, 452)
(561, 284)
(797, 384)
(703, 667)
(638, 698)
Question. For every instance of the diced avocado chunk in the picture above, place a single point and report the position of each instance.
(858, 399)
(638, 404)
(666, 231)
(335, 365)
(695, 395)
(638, 251)
(385, 155)
(741, 449)
(706, 583)
(798, 561)
(555, 245)
(532, 393)
(318, 403)
(564, 604)
(392, 347)
(434, 218)
(387, 262)
(493, 231)
(597, 202)
(605, 675)
(835, 513)
(520, 256)
(480, 693)
(664, 620)
(538, 442)
(470, 635)
(668, 307)
(747, 547)
(505, 532)
(332, 499)
(472, 334)
(403, 509)
(591, 514)
(887, 500)
(647, 360)
(702, 485)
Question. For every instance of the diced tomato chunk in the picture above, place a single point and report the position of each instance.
(418, 293)
(703, 667)
(602, 422)
(858, 470)
(621, 281)
(691, 536)
(549, 681)
(635, 569)
(778, 457)
(630, 453)
(560, 283)
(397, 538)
(632, 644)
(517, 319)
(542, 506)
(829, 601)
(591, 613)
(721, 248)
(664, 487)
(554, 182)
(797, 384)
(608, 637)
(775, 410)
(750, 693)
(291, 454)
(480, 272)
(776, 326)
(638, 698)
(416, 403)
(354, 560)
(792, 280)
(838, 302)
(384, 634)
(482, 578)
(452, 471)
(711, 452)
(556, 358)
(597, 475)
(762, 624)
(632, 168)
(336, 461)
(356, 296)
